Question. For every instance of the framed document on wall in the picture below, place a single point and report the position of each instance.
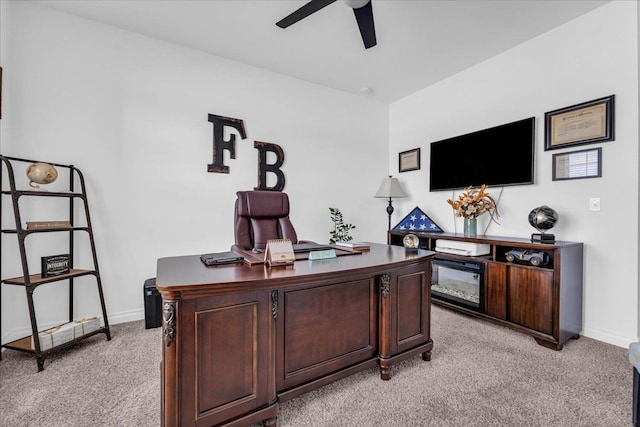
(579, 124)
(409, 160)
(577, 164)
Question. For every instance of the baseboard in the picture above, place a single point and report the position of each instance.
(600, 335)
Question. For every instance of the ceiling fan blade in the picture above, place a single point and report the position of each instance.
(306, 10)
(364, 17)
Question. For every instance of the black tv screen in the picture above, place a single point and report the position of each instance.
(498, 156)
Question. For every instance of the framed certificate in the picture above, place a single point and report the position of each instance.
(577, 164)
(409, 160)
(585, 123)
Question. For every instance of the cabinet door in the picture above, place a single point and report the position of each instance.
(530, 299)
(496, 290)
(406, 311)
(324, 329)
(225, 370)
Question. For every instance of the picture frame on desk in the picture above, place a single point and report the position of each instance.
(409, 160)
(585, 123)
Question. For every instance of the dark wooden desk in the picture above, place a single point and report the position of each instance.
(238, 340)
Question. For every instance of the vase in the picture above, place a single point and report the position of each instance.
(470, 227)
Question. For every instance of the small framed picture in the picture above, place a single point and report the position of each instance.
(577, 164)
(409, 160)
(585, 123)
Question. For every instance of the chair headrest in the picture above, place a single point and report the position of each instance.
(262, 204)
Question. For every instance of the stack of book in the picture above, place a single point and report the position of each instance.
(355, 246)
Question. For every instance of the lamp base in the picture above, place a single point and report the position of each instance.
(543, 238)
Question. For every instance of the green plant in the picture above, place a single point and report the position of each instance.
(340, 232)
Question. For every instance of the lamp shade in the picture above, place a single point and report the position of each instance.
(389, 188)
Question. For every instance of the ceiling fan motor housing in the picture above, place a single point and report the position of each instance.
(356, 4)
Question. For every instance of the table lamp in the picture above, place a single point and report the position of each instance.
(390, 188)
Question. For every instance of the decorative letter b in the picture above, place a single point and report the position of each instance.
(263, 167)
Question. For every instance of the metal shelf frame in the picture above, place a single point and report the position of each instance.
(32, 281)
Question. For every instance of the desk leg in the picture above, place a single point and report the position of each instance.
(271, 422)
(426, 356)
(385, 373)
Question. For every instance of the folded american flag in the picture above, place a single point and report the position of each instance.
(418, 221)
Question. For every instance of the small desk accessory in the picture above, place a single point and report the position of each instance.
(323, 254)
(279, 252)
(221, 258)
(411, 242)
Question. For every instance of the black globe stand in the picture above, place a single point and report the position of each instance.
(543, 238)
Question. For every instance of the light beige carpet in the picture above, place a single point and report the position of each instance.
(480, 374)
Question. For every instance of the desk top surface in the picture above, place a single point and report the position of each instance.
(182, 273)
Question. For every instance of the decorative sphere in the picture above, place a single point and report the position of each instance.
(411, 241)
(543, 218)
(41, 173)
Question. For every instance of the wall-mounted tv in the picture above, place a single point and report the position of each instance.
(498, 156)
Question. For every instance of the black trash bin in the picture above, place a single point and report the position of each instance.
(152, 305)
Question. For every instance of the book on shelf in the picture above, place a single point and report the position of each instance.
(39, 225)
(356, 246)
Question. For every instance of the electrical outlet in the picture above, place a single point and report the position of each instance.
(594, 204)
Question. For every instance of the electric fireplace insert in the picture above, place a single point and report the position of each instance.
(459, 282)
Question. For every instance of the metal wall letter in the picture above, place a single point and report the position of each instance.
(219, 144)
(169, 322)
(264, 167)
(385, 284)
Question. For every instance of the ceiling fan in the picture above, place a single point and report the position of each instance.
(361, 8)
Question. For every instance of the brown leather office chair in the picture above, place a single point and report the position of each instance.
(260, 216)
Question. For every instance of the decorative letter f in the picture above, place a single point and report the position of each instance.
(219, 144)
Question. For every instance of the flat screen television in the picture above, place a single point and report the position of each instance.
(498, 156)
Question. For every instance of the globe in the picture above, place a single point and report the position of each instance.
(543, 218)
(411, 242)
(41, 173)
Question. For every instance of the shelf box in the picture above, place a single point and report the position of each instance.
(86, 325)
(55, 336)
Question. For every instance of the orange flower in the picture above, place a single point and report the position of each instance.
(473, 202)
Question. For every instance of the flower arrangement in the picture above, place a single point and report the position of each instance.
(474, 202)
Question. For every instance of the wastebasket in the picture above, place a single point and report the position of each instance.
(152, 305)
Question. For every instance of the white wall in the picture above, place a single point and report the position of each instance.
(593, 56)
(131, 113)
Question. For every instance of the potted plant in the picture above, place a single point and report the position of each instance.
(340, 232)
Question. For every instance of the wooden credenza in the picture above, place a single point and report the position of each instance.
(543, 301)
(238, 340)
